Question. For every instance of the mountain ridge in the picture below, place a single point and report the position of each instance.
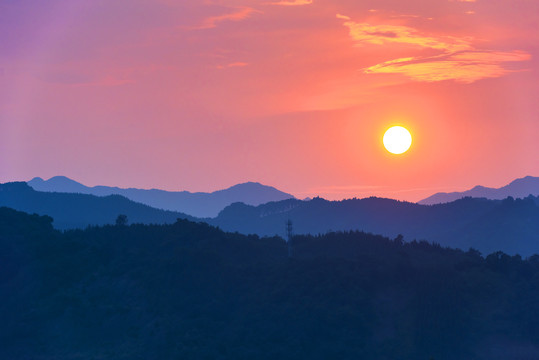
(198, 204)
(507, 225)
(71, 210)
(518, 188)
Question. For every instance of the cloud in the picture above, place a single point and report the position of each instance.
(458, 59)
(385, 34)
(464, 67)
(344, 190)
(234, 64)
(292, 2)
(212, 21)
(80, 80)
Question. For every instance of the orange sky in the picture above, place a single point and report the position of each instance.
(201, 95)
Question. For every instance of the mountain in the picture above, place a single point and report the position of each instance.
(197, 204)
(508, 225)
(519, 188)
(80, 210)
(190, 291)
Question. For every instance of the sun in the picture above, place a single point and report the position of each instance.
(397, 140)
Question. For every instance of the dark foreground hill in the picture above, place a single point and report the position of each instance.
(508, 225)
(198, 204)
(519, 188)
(78, 210)
(190, 291)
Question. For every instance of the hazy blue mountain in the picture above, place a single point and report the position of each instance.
(198, 204)
(80, 210)
(508, 225)
(519, 188)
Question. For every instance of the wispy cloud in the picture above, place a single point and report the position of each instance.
(292, 2)
(82, 79)
(346, 189)
(385, 34)
(234, 64)
(458, 60)
(465, 67)
(240, 14)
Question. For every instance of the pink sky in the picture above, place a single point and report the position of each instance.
(201, 95)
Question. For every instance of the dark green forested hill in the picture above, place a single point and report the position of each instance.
(191, 291)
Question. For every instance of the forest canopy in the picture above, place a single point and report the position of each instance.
(189, 290)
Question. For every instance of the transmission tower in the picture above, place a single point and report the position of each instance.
(289, 237)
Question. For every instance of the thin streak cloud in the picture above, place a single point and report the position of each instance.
(241, 14)
(462, 67)
(459, 60)
(387, 34)
(292, 3)
(234, 64)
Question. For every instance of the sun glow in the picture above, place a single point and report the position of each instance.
(397, 140)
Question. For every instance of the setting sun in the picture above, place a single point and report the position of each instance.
(397, 140)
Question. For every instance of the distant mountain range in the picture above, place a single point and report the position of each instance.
(80, 210)
(519, 188)
(508, 225)
(197, 204)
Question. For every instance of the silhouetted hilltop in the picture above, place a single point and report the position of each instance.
(519, 188)
(198, 204)
(508, 225)
(80, 210)
(190, 291)
(61, 184)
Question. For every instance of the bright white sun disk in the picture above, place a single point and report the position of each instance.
(397, 140)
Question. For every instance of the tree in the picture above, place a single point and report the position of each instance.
(121, 220)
